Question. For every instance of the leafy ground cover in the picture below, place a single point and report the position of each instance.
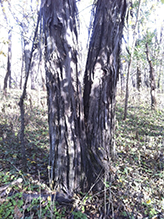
(136, 189)
(140, 158)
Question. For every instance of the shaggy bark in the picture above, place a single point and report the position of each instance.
(76, 160)
(63, 93)
(101, 75)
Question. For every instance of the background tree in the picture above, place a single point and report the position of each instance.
(150, 21)
(152, 79)
(26, 23)
(22, 98)
(7, 78)
(131, 57)
(9, 57)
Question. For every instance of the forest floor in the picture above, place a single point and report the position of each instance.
(136, 189)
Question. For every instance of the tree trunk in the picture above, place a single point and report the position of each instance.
(138, 76)
(101, 75)
(21, 102)
(63, 93)
(131, 58)
(27, 57)
(161, 59)
(34, 71)
(152, 79)
(8, 73)
(160, 75)
(79, 153)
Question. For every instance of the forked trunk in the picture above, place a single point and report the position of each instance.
(80, 153)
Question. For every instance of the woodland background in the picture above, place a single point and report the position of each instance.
(136, 189)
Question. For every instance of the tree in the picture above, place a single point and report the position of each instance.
(7, 77)
(131, 58)
(152, 79)
(26, 22)
(22, 98)
(63, 93)
(81, 135)
(101, 75)
(8, 72)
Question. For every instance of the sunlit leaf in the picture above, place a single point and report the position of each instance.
(148, 201)
(2, 53)
(49, 198)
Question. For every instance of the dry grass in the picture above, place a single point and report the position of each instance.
(137, 188)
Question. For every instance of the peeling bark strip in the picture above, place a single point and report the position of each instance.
(63, 98)
(101, 75)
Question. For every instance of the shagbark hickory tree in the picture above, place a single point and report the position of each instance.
(81, 129)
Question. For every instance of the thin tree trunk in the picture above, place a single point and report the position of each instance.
(8, 73)
(27, 60)
(23, 63)
(43, 83)
(161, 60)
(160, 75)
(138, 76)
(34, 72)
(21, 102)
(152, 80)
(130, 60)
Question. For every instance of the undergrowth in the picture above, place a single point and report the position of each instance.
(137, 186)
